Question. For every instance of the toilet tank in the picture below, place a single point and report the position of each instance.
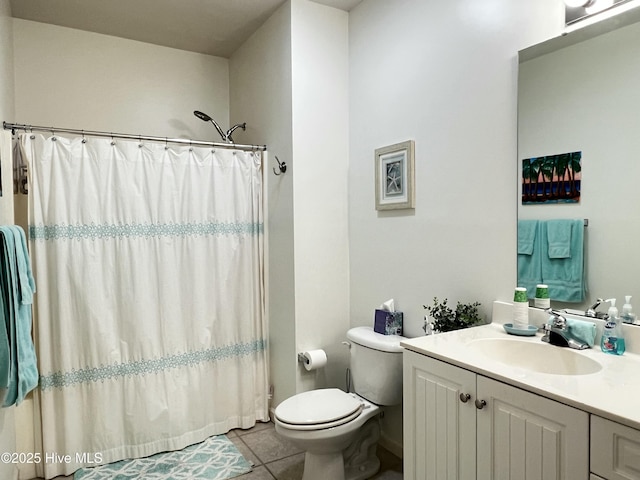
(376, 365)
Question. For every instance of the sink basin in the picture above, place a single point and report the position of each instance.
(536, 357)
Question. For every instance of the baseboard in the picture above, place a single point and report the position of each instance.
(391, 445)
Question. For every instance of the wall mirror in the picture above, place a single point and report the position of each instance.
(581, 93)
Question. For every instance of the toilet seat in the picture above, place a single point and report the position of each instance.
(318, 409)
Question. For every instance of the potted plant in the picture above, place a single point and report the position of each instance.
(445, 319)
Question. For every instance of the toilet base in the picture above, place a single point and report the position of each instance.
(323, 466)
(357, 462)
(360, 459)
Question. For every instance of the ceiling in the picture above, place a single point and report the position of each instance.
(213, 27)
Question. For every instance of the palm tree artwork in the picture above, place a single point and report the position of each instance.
(552, 179)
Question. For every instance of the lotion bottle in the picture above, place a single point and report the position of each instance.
(612, 341)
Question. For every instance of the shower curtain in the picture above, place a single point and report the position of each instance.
(150, 316)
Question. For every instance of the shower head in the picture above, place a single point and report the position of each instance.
(225, 136)
(202, 116)
(206, 118)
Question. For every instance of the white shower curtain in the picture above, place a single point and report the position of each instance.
(149, 264)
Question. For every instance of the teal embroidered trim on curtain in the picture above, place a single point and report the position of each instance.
(145, 367)
(93, 231)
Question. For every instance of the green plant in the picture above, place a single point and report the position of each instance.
(445, 319)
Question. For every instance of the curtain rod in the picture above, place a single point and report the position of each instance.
(29, 128)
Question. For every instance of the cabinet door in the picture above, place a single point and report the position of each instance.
(615, 450)
(522, 435)
(439, 427)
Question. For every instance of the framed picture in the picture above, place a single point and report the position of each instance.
(395, 166)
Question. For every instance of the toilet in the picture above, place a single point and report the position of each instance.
(339, 431)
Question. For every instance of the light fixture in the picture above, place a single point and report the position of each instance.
(578, 3)
(577, 10)
(598, 6)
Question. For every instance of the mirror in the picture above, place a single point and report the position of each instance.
(581, 93)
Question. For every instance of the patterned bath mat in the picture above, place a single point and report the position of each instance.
(216, 458)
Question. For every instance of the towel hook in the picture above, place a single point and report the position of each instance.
(281, 166)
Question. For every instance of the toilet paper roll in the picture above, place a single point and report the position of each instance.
(314, 359)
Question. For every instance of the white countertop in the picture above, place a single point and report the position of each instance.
(613, 392)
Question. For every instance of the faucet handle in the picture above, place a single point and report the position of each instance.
(558, 320)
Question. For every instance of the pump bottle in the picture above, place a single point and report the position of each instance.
(612, 336)
(627, 311)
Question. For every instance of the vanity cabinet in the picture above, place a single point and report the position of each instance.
(464, 426)
(615, 450)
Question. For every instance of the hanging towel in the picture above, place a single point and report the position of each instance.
(529, 253)
(526, 236)
(7, 332)
(18, 288)
(559, 238)
(564, 275)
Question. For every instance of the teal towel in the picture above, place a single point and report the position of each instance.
(18, 288)
(559, 238)
(564, 276)
(585, 331)
(529, 256)
(526, 236)
(27, 282)
(7, 330)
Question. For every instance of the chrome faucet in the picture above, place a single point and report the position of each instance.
(591, 312)
(558, 333)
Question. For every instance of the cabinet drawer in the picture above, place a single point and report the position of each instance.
(615, 450)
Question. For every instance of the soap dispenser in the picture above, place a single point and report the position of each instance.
(612, 336)
(627, 311)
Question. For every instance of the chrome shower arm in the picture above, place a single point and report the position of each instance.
(243, 126)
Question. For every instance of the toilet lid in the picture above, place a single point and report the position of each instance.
(329, 405)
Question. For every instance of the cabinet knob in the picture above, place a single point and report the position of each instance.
(464, 397)
(480, 404)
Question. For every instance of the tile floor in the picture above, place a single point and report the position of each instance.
(276, 459)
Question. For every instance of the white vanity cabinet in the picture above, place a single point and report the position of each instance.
(461, 425)
(615, 450)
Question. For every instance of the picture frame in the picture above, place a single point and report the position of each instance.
(395, 170)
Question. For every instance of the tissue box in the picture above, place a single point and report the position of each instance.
(388, 323)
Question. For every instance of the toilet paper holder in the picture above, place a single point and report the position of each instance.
(313, 359)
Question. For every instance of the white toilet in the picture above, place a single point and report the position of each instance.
(339, 431)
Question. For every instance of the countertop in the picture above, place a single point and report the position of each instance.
(611, 393)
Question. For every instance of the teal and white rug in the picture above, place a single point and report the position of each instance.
(217, 458)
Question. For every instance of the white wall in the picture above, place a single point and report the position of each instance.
(260, 91)
(290, 82)
(443, 74)
(7, 415)
(320, 48)
(76, 79)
